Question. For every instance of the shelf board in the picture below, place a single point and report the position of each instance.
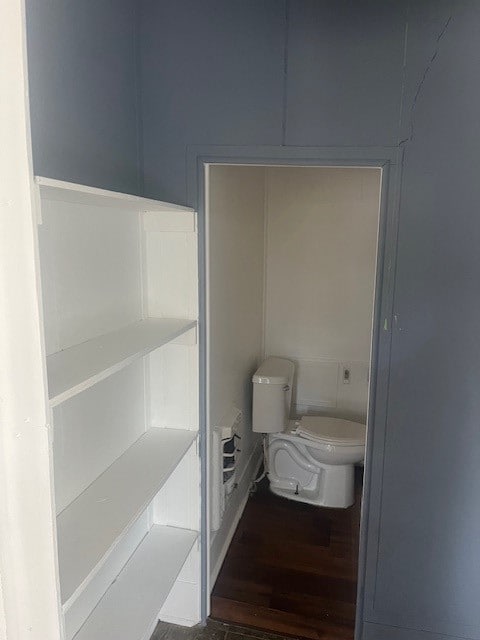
(130, 607)
(79, 367)
(59, 190)
(93, 524)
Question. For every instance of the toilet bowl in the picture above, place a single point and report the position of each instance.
(311, 459)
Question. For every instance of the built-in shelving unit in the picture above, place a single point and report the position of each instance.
(61, 191)
(119, 288)
(110, 505)
(131, 604)
(75, 369)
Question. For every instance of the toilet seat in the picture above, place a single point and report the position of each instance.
(335, 431)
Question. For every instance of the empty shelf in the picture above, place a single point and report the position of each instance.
(51, 189)
(79, 367)
(129, 609)
(91, 526)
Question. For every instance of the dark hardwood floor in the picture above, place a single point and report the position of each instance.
(292, 568)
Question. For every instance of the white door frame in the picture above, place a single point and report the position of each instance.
(389, 159)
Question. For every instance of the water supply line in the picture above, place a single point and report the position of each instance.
(264, 473)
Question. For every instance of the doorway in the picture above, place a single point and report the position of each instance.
(253, 237)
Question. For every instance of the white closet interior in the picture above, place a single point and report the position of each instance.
(119, 290)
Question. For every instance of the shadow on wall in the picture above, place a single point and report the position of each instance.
(338, 389)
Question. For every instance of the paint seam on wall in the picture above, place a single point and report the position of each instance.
(265, 250)
(404, 76)
(424, 78)
(285, 75)
(138, 102)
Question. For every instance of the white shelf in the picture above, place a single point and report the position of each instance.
(81, 194)
(79, 367)
(93, 524)
(130, 607)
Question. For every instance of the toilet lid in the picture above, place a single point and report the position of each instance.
(332, 430)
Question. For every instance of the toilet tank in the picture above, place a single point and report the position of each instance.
(272, 395)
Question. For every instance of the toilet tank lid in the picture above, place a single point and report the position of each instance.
(274, 371)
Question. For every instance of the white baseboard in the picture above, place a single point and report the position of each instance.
(184, 598)
(181, 622)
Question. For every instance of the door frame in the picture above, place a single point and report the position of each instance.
(390, 161)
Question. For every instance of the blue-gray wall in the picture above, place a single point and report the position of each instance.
(82, 57)
(317, 73)
(428, 572)
(266, 72)
(363, 73)
(211, 72)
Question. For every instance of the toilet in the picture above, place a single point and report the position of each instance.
(311, 459)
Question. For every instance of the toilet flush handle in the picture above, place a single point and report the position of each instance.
(286, 387)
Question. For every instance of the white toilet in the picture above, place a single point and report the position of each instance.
(312, 459)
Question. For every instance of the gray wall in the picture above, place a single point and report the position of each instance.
(318, 73)
(266, 72)
(428, 573)
(331, 72)
(82, 59)
(211, 72)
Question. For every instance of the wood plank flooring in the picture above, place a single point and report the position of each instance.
(292, 568)
(213, 630)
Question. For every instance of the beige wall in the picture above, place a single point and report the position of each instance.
(291, 268)
(235, 307)
(320, 270)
